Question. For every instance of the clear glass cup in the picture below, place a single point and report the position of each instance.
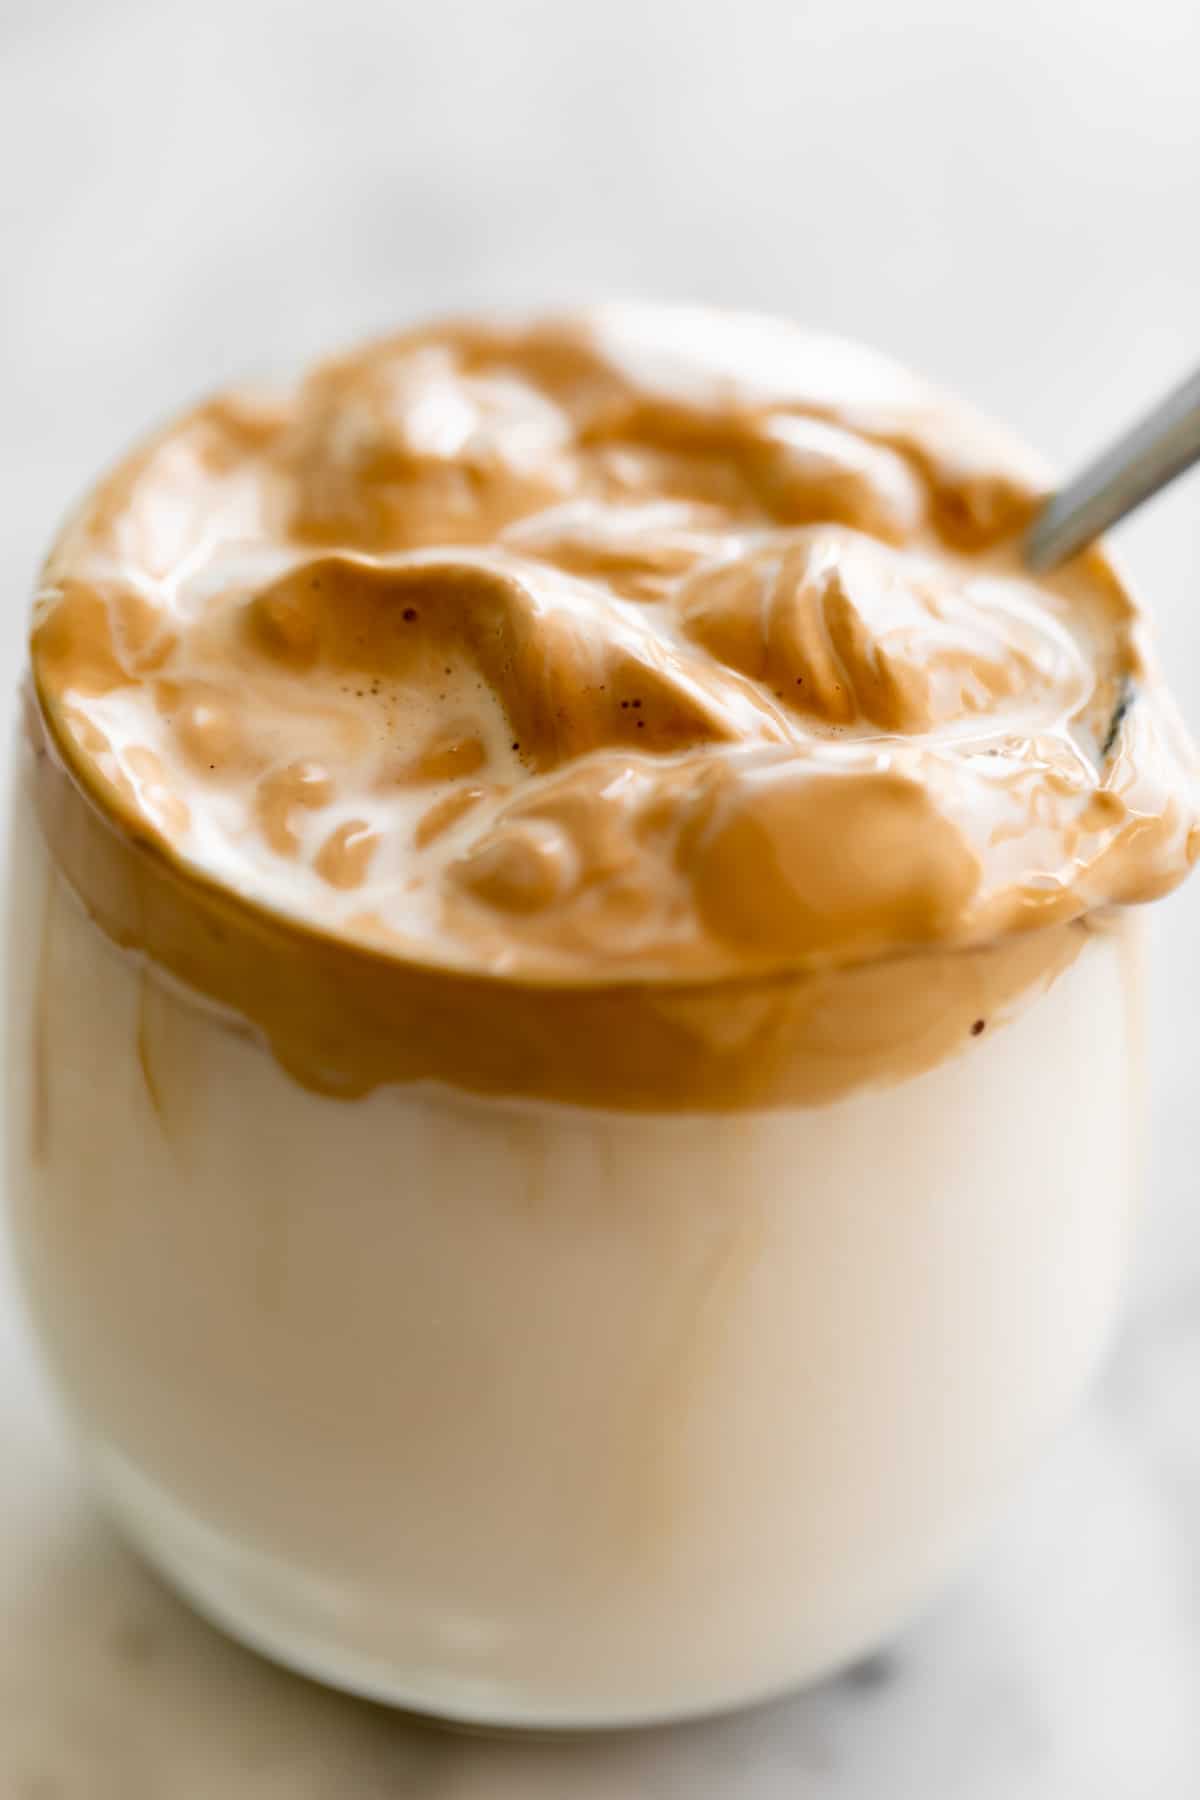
(533, 1413)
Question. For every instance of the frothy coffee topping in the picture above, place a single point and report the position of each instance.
(639, 643)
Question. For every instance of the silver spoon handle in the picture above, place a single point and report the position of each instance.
(1149, 456)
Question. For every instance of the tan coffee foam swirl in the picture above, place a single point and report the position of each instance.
(636, 646)
(343, 1019)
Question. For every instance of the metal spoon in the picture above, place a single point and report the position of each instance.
(1151, 454)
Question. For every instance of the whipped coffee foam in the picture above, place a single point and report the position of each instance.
(632, 644)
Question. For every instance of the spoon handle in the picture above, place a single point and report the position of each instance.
(1153, 453)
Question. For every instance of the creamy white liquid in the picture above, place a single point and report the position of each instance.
(544, 1416)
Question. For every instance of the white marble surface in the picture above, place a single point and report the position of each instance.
(1006, 196)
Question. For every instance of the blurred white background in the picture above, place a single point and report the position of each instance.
(1007, 196)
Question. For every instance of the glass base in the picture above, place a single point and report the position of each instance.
(277, 1612)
